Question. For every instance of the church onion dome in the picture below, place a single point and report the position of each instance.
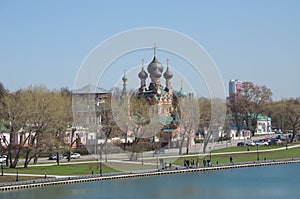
(155, 64)
(143, 74)
(168, 74)
(160, 66)
(156, 73)
(124, 78)
(181, 93)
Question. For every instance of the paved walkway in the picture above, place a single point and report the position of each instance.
(37, 175)
(147, 156)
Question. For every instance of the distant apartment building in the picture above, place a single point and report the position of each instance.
(235, 88)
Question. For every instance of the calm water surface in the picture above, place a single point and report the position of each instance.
(280, 181)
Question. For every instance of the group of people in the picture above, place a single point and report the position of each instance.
(191, 163)
(206, 162)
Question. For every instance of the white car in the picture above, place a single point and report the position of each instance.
(278, 141)
(250, 143)
(75, 156)
(261, 143)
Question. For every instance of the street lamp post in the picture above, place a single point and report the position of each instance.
(2, 161)
(257, 153)
(101, 161)
(57, 158)
(100, 167)
(142, 154)
(2, 168)
(17, 174)
(106, 151)
(210, 163)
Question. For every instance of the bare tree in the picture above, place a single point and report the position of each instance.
(135, 116)
(189, 121)
(14, 119)
(30, 113)
(212, 119)
(47, 112)
(292, 114)
(277, 111)
(107, 125)
(217, 120)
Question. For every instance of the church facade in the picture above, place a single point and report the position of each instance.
(158, 92)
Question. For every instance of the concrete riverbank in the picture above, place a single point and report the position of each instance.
(122, 175)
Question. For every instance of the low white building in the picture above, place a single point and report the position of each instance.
(18, 138)
(81, 133)
(243, 135)
(264, 125)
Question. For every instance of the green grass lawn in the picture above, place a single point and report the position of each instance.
(244, 157)
(67, 170)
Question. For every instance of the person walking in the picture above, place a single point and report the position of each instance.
(204, 162)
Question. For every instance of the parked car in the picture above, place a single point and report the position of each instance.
(250, 143)
(240, 144)
(275, 141)
(261, 143)
(278, 141)
(3, 159)
(75, 156)
(54, 157)
(160, 151)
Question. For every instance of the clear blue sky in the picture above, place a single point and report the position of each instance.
(44, 42)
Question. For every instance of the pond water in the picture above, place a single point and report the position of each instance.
(279, 181)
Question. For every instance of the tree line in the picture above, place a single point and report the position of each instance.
(40, 117)
(36, 120)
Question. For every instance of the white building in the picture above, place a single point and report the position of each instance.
(244, 134)
(264, 125)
